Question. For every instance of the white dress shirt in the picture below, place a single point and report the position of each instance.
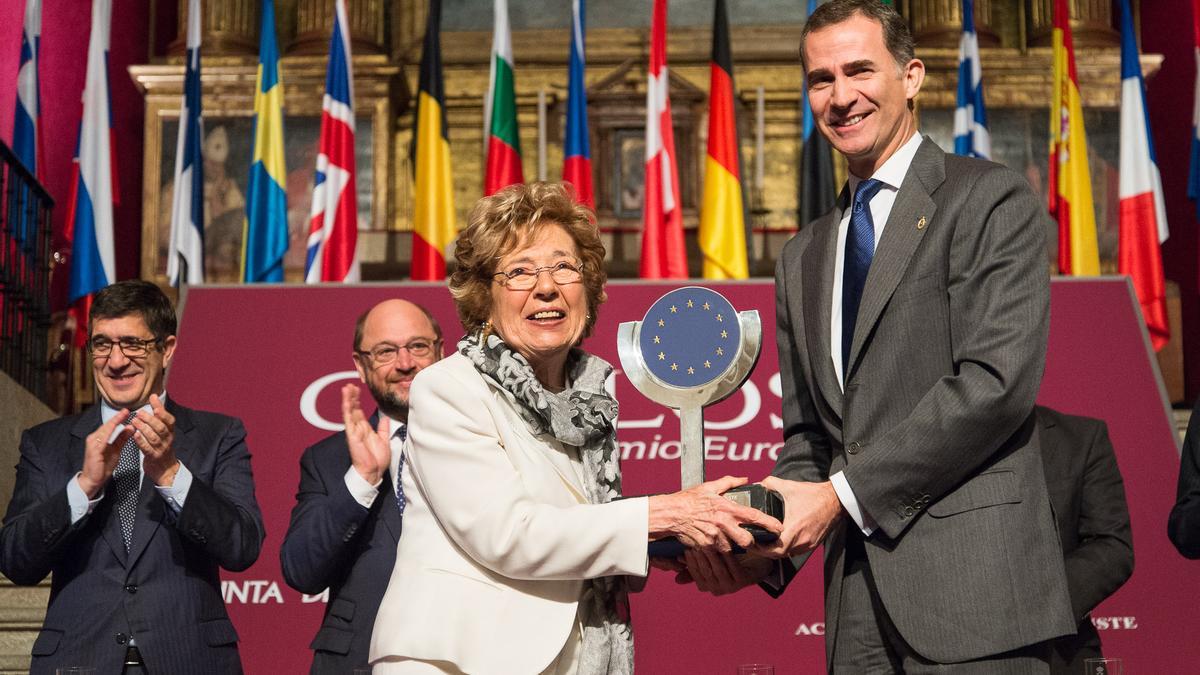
(891, 174)
(363, 492)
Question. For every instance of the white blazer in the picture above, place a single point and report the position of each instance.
(497, 536)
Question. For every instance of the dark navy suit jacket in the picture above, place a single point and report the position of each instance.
(165, 592)
(333, 542)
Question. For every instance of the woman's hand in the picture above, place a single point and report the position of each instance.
(701, 518)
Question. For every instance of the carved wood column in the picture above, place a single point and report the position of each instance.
(938, 23)
(1091, 23)
(227, 27)
(314, 23)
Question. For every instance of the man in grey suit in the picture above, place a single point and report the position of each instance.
(1088, 495)
(909, 373)
(347, 517)
(134, 505)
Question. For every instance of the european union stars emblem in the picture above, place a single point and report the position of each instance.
(690, 337)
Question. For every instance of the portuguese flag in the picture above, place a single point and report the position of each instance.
(503, 161)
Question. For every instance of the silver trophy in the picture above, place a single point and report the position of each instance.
(691, 350)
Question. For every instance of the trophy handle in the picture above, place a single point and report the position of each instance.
(691, 452)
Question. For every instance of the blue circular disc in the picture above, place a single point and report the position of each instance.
(690, 337)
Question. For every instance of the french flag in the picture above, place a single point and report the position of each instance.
(1143, 218)
(333, 232)
(90, 223)
(28, 114)
(577, 148)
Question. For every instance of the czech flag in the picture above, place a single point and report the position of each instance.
(503, 161)
(577, 147)
(663, 252)
(1143, 213)
(433, 196)
(185, 260)
(1070, 180)
(722, 218)
(265, 233)
(333, 230)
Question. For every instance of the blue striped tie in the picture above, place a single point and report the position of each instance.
(860, 249)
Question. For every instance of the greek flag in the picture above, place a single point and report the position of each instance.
(971, 136)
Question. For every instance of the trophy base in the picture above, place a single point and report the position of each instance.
(756, 497)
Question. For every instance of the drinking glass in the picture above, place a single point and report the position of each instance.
(1108, 666)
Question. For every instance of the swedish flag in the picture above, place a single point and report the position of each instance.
(265, 234)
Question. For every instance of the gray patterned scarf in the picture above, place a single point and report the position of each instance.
(583, 415)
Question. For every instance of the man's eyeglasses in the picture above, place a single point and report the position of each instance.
(386, 352)
(525, 278)
(131, 347)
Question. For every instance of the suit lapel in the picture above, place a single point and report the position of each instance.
(151, 510)
(110, 522)
(912, 215)
(817, 269)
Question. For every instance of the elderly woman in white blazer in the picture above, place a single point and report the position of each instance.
(515, 557)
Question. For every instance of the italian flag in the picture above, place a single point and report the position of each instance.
(502, 160)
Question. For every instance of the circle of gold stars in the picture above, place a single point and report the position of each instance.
(720, 351)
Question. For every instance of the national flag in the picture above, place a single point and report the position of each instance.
(333, 230)
(27, 119)
(577, 147)
(1070, 185)
(1143, 213)
(433, 196)
(971, 137)
(502, 163)
(663, 252)
(265, 232)
(185, 258)
(722, 218)
(817, 188)
(90, 221)
(1193, 190)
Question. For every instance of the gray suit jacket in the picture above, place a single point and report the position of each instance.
(1093, 522)
(165, 591)
(934, 432)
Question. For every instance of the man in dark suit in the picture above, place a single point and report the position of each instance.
(909, 372)
(133, 505)
(1093, 524)
(1183, 526)
(347, 517)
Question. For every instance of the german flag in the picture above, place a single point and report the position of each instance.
(433, 199)
(722, 218)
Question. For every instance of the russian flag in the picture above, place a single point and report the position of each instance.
(185, 260)
(28, 109)
(333, 229)
(577, 147)
(93, 264)
(1143, 215)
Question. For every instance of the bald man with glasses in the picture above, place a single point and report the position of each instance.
(347, 517)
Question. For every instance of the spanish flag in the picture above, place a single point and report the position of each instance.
(433, 199)
(722, 219)
(265, 232)
(1070, 180)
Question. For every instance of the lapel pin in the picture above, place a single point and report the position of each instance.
(921, 223)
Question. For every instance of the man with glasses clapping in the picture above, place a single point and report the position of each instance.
(347, 517)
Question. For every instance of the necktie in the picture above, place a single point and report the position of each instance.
(860, 249)
(401, 434)
(127, 477)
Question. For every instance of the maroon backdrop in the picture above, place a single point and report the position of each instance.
(274, 355)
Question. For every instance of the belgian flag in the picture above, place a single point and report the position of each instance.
(433, 199)
(722, 218)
